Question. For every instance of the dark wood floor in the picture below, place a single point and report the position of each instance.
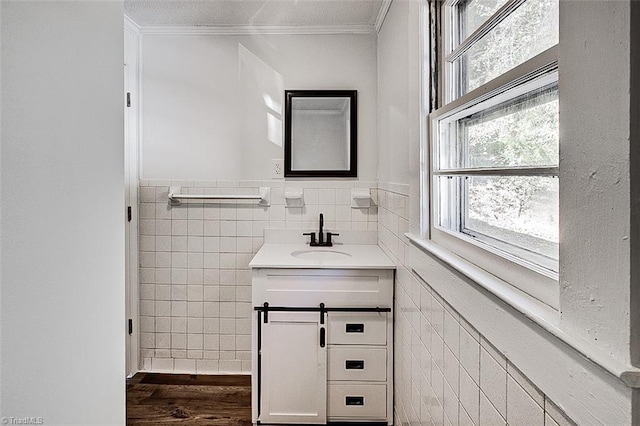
(185, 399)
(190, 399)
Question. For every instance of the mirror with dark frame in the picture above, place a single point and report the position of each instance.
(321, 133)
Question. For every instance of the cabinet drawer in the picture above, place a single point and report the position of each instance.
(357, 364)
(334, 288)
(357, 328)
(364, 401)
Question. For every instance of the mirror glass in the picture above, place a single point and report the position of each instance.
(320, 133)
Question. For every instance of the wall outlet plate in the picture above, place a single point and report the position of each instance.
(277, 168)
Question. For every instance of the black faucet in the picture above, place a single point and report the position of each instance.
(320, 232)
(321, 242)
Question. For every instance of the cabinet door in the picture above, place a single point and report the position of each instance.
(293, 369)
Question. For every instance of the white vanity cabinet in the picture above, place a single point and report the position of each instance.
(293, 371)
(360, 365)
(322, 345)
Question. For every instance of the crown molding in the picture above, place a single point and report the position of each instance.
(257, 30)
(129, 24)
(382, 14)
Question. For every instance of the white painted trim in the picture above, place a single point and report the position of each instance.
(540, 66)
(576, 383)
(520, 273)
(140, 98)
(132, 182)
(130, 25)
(528, 307)
(382, 14)
(536, 277)
(425, 102)
(256, 29)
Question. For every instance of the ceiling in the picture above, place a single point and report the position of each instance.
(354, 15)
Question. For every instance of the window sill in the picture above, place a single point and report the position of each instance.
(510, 272)
(530, 308)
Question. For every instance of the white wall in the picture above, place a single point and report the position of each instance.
(596, 224)
(595, 244)
(634, 169)
(399, 93)
(595, 155)
(62, 278)
(213, 105)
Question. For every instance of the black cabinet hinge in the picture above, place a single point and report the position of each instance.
(128, 213)
(128, 99)
(130, 326)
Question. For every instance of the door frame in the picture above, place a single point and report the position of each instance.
(131, 181)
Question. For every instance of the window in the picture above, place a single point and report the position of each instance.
(494, 140)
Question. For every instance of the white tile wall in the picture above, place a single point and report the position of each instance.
(195, 293)
(446, 373)
(195, 282)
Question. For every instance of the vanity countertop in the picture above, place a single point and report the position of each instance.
(340, 256)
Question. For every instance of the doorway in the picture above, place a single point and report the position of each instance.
(131, 175)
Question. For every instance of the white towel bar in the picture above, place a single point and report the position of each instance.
(264, 197)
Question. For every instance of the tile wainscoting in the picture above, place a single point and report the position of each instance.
(195, 282)
(446, 372)
(195, 294)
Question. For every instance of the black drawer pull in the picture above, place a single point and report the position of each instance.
(322, 337)
(354, 364)
(354, 400)
(355, 328)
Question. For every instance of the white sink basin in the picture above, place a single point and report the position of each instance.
(320, 255)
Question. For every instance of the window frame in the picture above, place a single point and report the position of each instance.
(534, 278)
